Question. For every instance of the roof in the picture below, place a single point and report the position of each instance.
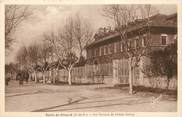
(104, 39)
(174, 15)
(158, 20)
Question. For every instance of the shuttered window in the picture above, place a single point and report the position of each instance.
(164, 39)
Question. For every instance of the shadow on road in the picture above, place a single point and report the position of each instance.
(132, 101)
(20, 94)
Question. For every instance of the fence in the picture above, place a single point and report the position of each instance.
(113, 73)
(87, 73)
(159, 82)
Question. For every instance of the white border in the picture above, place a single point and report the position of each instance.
(55, 2)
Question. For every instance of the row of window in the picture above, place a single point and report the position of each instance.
(119, 46)
(116, 47)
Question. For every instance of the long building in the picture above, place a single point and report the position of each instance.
(160, 31)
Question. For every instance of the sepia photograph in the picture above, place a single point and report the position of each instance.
(91, 58)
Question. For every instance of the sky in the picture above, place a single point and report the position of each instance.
(45, 18)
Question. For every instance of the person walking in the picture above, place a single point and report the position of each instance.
(21, 77)
(26, 76)
(7, 78)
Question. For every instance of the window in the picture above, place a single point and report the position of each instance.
(109, 49)
(144, 40)
(118, 46)
(97, 51)
(129, 44)
(102, 50)
(175, 37)
(115, 48)
(106, 50)
(92, 52)
(89, 53)
(104, 47)
(137, 42)
(112, 48)
(164, 39)
(121, 46)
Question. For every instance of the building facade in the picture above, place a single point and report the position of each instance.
(160, 31)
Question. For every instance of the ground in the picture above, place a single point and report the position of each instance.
(34, 97)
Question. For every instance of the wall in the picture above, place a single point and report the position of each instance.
(156, 39)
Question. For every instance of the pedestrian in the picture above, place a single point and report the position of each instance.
(18, 75)
(26, 76)
(7, 78)
(21, 77)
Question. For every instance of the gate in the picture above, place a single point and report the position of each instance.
(121, 71)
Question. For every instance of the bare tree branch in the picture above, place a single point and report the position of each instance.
(14, 15)
(125, 18)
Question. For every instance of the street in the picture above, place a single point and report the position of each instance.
(33, 97)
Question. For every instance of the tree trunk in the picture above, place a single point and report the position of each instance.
(43, 75)
(53, 76)
(167, 87)
(50, 76)
(69, 77)
(35, 76)
(81, 51)
(130, 77)
(57, 74)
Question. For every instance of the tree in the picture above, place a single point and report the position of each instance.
(64, 47)
(14, 16)
(11, 67)
(51, 39)
(69, 42)
(33, 52)
(125, 17)
(163, 62)
(22, 57)
(45, 50)
(34, 58)
(82, 32)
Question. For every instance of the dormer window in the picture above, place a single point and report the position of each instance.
(164, 39)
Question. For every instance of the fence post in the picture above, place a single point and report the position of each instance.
(43, 75)
(115, 72)
(85, 73)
